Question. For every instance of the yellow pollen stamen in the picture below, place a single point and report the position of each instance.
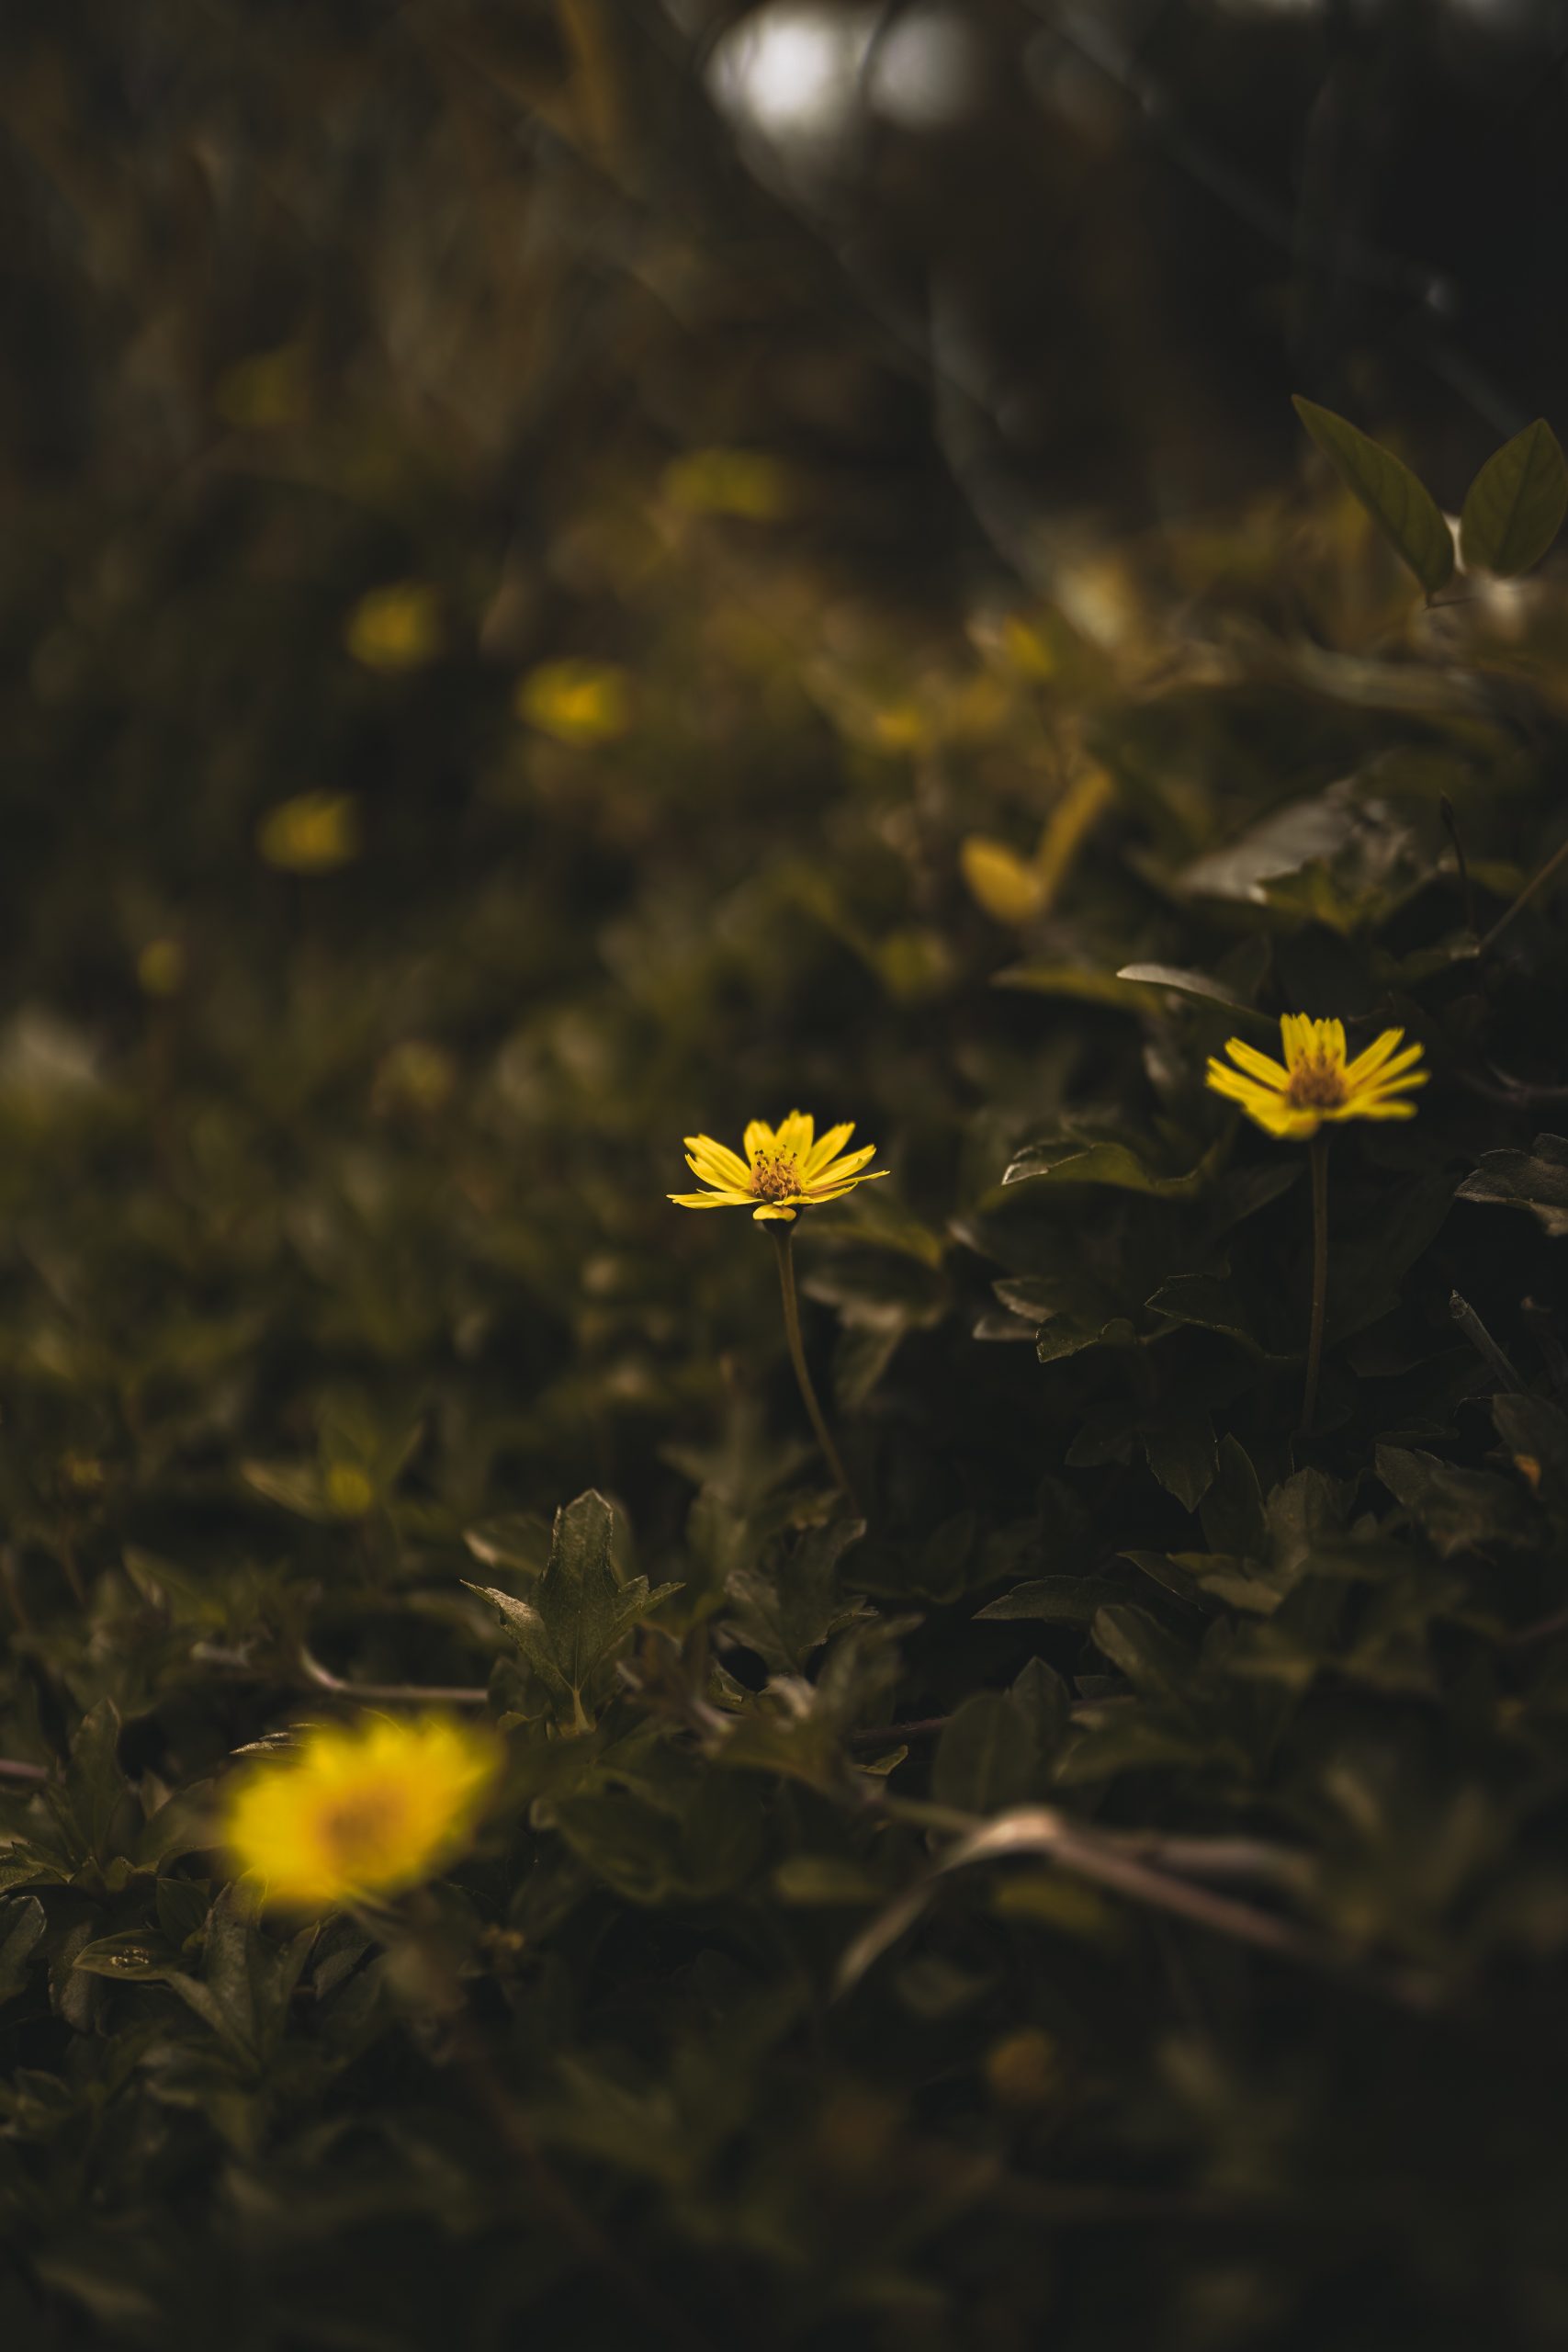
(774, 1179)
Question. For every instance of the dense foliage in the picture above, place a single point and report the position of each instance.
(1113, 1890)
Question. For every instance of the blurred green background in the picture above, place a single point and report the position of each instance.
(577, 573)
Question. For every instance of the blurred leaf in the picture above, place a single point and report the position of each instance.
(1536, 1180)
(1403, 509)
(1514, 508)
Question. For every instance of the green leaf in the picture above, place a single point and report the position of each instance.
(1535, 1180)
(1402, 508)
(22, 1925)
(1514, 508)
(1459, 1510)
(581, 1616)
(1075, 1159)
(1181, 1455)
(1054, 1601)
(986, 1756)
(790, 1603)
(1232, 1511)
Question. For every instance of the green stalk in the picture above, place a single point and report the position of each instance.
(1319, 1276)
(783, 1243)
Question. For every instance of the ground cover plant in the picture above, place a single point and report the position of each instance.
(1007, 1789)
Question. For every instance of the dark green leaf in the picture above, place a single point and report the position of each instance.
(1514, 508)
(1402, 507)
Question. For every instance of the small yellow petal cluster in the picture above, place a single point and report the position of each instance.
(358, 1812)
(581, 703)
(785, 1169)
(1317, 1080)
(312, 833)
(397, 628)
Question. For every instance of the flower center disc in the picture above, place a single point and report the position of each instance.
(774, 1180)
(1316, 1086)
(358, 1830)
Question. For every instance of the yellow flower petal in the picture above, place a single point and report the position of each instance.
(760, 1141)
(1367, 1063)
(714, 1163)
(1260, 1066)
(772, 1212)
(826, 1148)
(711, 1200)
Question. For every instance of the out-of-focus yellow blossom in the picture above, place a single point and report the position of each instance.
(1014, 889)
(310, 834)
(1317, 1082)
(578, 703)
(269, 389)
(349, 1492)
(397, 628)
(161, 967)
(785, 1169)
(359, 1813)
(742, 483)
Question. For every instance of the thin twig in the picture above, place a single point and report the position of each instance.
(408, 1694)
(1090, 1854)
(1536, 882)
(1481, 1339)
(13, 1769)
(1451, 820)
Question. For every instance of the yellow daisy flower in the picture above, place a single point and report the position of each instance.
(785, 1169)
(1317, 1082)
(360, 1811)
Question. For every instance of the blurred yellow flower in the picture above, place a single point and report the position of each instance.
(577, 702)
(161, 967)
(397, 628)
(1013, 889)
(1317, 1082)
(755, 488)
(359, 1813)
(1007, 887)
(268, 389)
(785, 1169)
(310, 834)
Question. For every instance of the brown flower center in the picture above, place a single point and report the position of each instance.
(356, 1829)
(775, 1179)
(1315, 1085)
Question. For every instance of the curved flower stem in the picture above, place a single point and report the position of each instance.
(783, 1243)
(1319, 1276)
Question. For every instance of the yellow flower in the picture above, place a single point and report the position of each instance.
(1317, 1083)
(310, 834)
(785, 1169)
(581, 703)
(359, 1813)
(397, 627)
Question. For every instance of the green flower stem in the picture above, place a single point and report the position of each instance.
(783, 1243)
(1319, 1275)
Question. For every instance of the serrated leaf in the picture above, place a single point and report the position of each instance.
(1053, 1601)
(1514, 508)
(1399, 504)
(22, 1924)
(577, 1624)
